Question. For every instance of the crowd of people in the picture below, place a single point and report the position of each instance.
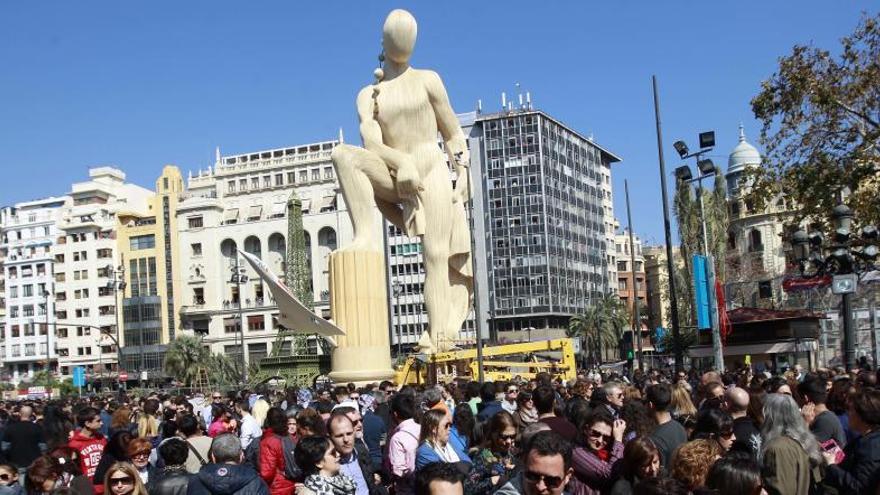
(650, 433)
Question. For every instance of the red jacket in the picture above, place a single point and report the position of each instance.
(272, 464)
(90, 450)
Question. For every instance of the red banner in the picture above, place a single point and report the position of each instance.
(794, 284)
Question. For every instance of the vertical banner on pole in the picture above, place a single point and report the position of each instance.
(701, 293)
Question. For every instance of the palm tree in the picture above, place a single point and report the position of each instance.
(600, 325)
(187, 359)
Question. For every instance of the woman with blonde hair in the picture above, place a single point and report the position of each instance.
(123, 479)
(148, 425)
(682, 408)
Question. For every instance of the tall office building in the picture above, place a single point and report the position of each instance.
(542, 210)
(627, 288)
(148, 253)
(241, 204)
(87, 260)
(28, 232)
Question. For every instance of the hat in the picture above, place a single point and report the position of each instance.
(347, 403)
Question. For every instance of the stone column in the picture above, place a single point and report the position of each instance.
(358, 305)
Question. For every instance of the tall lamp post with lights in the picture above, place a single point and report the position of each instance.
(706, 170)
(850, 257)
(239, 276)
(116, 283)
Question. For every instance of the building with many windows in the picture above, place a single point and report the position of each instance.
(542, 210)
(148, 253)
(627, 288)
(28, 231)
(86, 261)
(241, 204)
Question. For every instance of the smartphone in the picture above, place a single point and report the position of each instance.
(832, 447)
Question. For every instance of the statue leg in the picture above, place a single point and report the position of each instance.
(436, 199)
(364, 178)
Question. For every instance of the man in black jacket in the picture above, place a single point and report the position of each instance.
(226, 475)
(354, 458)
(173, 479)
(23, 440)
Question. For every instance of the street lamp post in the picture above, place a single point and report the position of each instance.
(238, 277)
(706, 169)
(397, 288)
(849, 258)
(116, 284)
(48, 342)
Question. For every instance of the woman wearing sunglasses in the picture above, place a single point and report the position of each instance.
(123, 479)
(600, 451)
(496, 462)
(434, 442)
(715, 424)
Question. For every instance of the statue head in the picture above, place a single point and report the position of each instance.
(399, 36)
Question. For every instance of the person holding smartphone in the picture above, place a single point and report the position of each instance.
(859, 471)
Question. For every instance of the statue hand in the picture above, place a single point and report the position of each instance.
(409, 183)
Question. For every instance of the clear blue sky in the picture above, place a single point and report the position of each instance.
(142, 84)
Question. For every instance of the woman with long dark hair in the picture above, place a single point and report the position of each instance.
(57, 426)
(641, 461)
(526, 413)
(272, 460)
(116, 450)
(735, 474)
(717, 425)
(461, 434)
(496, 462)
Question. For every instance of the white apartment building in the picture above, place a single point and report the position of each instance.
(86, 261)
(241, 204)
(28, 230)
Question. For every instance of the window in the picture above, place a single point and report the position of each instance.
(195, 222)
(257, 351)
(59, 277)
(13, 292)
(290, 177)
(143, 242)
(267, 181)
(105, 253)
(328, 172)
(230, 186)
(279, 179)
(255, 183)
(27, 310)
(242, 185)
(303, 175)
(198, 295)
(196, 249)
(230, 325)
(27, 290)
(16, 331)
(256, 323)
(61, 332)
(316, 174)
(41, 269)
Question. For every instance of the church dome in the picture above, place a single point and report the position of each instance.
(743, 155)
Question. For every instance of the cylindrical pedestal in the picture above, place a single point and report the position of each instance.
(358, 305)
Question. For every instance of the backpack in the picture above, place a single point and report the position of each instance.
(291, 470)
(252, 454)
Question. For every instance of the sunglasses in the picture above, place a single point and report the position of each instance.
(128, 480)
(599, 434)
(508, 437)
(513, 391)
(549, 481)
(216, 397)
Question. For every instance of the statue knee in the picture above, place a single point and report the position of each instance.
(341, 155)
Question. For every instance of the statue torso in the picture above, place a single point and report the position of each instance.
(405, 113)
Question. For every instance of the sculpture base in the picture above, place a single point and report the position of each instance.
(359, 305)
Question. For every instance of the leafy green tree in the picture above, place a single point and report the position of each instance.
(821, 127)
(188, 360)
(601, 325)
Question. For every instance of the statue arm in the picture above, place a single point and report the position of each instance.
(371, 133)
(453, 137)
(447, 122)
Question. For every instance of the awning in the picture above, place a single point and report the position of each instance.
(328, 202)
(759, 348)
(293, 315)
(306, 205)
(278, 209)
(230, 215)
(255, 212)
